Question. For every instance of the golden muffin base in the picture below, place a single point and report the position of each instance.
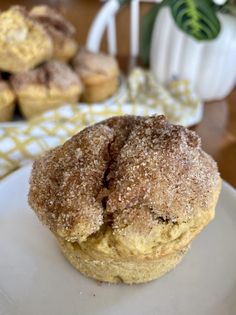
(7, 105)
(7, 111)
(100, 91)
(106, 257)
(34, 101)
(115, 271)
(66, 50)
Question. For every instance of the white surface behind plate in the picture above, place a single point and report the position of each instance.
(35, 278)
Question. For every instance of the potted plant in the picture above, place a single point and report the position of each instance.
(192, 39)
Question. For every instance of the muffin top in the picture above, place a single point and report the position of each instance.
(124, 166)
(60, 30)
(16, 25)
(53, 73)
(51, 19)
(93, 67)
(22, 38)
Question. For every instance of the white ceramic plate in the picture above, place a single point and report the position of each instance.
(35, 278)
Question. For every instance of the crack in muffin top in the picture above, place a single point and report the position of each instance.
(121, 165)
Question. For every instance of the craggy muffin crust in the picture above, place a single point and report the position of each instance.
(59, 29)
(24, 43)
(117, 168)
(53, 73)
(50, 85)
(125, 197)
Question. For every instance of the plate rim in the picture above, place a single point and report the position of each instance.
(25, 171)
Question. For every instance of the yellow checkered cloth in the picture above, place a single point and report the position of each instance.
(140, 95)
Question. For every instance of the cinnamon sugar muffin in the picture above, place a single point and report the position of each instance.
(23, 42)
(48, 86)
(99, 74)
(59, 29)
(7, 101)
(126, 197)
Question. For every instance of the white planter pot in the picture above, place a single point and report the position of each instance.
(209, 65)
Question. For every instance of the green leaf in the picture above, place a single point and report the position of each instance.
(147, 25)
(123, 2)
(197, 18)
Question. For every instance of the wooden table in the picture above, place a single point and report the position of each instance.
(218, 133)
(217, 130)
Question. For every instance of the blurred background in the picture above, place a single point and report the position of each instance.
(186, 54)
(81, 13)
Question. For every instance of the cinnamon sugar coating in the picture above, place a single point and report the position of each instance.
(123, 169)
(51, 18)
(53, 73)
(87, 64)
(60, 30)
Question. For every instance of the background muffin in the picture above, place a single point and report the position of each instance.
(7, 101)
(99, 74)
(125, 197)
(59, 29)
(23, 42)
(50, 85)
